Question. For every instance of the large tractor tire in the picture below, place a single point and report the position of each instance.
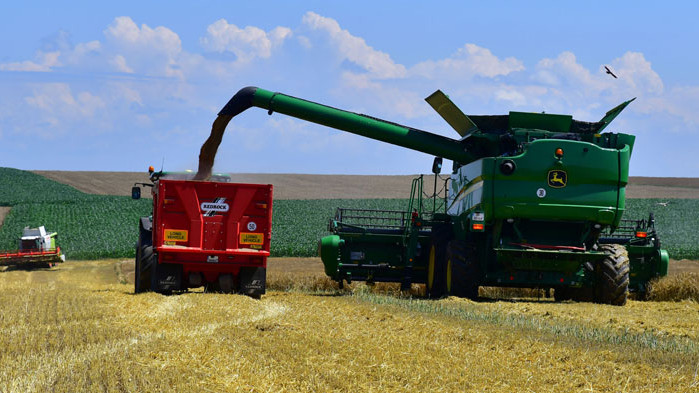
(437, 262)
(462, 270)
(144, 256)
(145, 261)
(613, 276)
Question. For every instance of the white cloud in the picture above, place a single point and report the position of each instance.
(57, 98)
(379, 98)
(127, 34)
(565, 70)
(44, 63)
(119, 62)
(470, 60)
(150, 51)
(355, 49)
(304, 41)
(636, 73)
(511, 95)
(247, 43)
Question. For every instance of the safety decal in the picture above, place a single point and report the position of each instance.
(176, 235)
(251, 238)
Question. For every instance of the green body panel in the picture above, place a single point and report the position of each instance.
(595, 179)
(372, 256)
(647, 263)
(540, 121)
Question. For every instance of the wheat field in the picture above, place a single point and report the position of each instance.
(78, 327)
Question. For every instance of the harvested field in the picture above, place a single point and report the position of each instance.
(99, 183)
(78, 328)
(683, 266)
(296, 186)
(286, 186)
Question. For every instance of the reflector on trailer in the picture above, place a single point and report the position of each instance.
(478, 227)
(641, 234)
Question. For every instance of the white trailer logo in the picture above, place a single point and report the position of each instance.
(218, 205)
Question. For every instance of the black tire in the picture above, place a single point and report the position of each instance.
(212, 287)
(612, 275)
(462, 270)
(143, 268)
(145, 261)
(225, 283)
(437, 261)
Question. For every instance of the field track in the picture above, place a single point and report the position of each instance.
(78, 327)
(296, 186)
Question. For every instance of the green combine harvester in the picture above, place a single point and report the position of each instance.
(534, 200)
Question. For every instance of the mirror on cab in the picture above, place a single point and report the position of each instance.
(135, 192)
(437, 165)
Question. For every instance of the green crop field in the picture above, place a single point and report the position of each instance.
(97, 226)
(676, 221)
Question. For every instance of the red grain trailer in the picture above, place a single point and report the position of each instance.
(213, 233)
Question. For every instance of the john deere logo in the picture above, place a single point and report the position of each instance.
(557, 179)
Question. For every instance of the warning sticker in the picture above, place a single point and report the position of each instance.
(251, 238)
(176, 235)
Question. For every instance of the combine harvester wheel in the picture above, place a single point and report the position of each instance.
(462, 271)
(437, 264)
(613, 276)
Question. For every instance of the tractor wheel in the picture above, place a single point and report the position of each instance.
(613, 276)
(437, 263)
(145, 260)
(462, 271)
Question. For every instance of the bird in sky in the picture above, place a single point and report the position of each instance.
(610, 72)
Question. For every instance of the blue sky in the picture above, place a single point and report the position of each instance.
(120, 86)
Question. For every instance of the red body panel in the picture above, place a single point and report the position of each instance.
(212, 227)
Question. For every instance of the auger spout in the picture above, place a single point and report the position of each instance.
(355, 123)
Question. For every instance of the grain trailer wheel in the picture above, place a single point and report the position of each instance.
(226, 283)
(462, 271)
(613, 276)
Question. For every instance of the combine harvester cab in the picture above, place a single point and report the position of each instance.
(528, 200)
(204, 233)
(37, 249)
